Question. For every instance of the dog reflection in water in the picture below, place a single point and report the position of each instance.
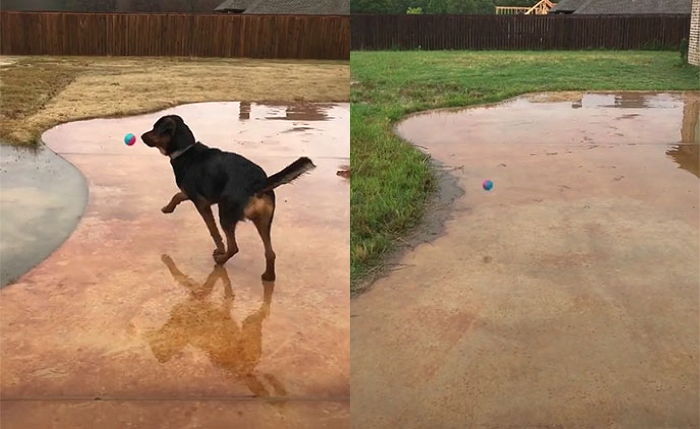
(209, 326)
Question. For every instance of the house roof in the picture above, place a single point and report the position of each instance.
(620, 7)
(568, 6)
(234, 5)
(312, 7)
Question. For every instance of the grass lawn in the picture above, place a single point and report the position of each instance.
(40, 92)
(391, 180)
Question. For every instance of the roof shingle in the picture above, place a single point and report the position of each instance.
(311, 7)
(234, 5)
(623, 7)
(568, 6)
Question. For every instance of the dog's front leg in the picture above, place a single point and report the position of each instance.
(204, 209)
(174, 201)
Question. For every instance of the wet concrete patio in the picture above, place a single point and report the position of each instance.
(565, 297)
(37, 188)
(130, 323)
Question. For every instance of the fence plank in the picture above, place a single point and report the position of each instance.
(173, 34)
(382, 32)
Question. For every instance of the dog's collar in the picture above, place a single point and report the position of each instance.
(178, 153)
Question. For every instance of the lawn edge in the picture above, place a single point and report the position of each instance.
(424, 231)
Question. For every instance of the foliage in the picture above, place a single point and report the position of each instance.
(520, 3)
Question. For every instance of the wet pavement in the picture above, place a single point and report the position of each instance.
(42, 197)
(130, 323)
(568, 296)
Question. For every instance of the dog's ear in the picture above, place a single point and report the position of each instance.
(182, 137)
(165, 125)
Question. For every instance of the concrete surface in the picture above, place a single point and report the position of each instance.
(129, 324)
(37, 188)
(566, 297)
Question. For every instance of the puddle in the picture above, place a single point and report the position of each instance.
(318, 130)
(42, 197)
(670, 120)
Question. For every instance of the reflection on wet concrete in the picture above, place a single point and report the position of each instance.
(304, 112)
(41, 200)
(289, 112)
(344, 172)
(575, 118)
(567, 286)
(209, 326)
(626, 100)
(244, 111)
(687, 155)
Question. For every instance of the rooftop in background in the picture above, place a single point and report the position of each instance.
(233, 6)
(623, 7)
(312, 7)
(191, 6)
(568, 6)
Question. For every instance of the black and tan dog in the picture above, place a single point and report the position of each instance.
(208, 176)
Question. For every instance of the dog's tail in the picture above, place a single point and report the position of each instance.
(289, 173)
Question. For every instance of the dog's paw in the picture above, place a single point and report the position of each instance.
(166, 259)
(220, 256)
(268, 277)
(167, 209)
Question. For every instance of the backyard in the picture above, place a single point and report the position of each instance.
(81, 215)
(40, 92)
(393, 180)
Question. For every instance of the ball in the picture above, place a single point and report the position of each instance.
(129, 139)
(487, 185)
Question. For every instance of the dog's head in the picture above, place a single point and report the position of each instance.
(169, 134)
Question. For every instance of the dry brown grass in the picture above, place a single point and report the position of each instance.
(40, 92)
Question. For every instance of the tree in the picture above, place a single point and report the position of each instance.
(484, 7)
(414, 11)
(521, 3)
(460, 6)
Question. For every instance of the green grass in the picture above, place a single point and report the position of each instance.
(391, 179)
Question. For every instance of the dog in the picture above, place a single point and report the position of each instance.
(208, 176)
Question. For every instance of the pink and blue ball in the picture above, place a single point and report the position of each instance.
(129, 139)
(487, 185)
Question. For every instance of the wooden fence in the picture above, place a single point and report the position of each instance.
(156, 34)
(433, 32)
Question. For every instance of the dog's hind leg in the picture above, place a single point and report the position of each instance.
(228, 221)
(262, 217)
(204, 209)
